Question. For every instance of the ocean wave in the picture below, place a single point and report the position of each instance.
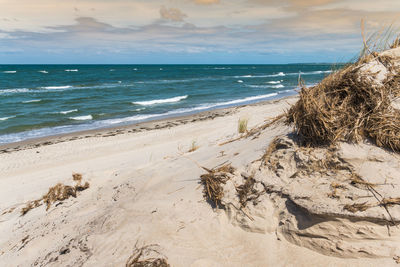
(82, 118)
(68, 111)
(310, 72)
(43, 71)
(73, 70)
(274, 82)
(160, 101)
(262, 76)
(265, 86)
(6, 118)
(183, 110)
(10, 71)
(56, 87)
(31, 101)
(13, 91)
(239, 81)
(15, 137)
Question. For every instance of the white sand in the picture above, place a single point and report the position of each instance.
(144, 189)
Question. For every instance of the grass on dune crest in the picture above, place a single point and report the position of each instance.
(349, 106)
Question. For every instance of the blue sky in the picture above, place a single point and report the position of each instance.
(187, 31)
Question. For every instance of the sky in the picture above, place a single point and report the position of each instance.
(187, 31)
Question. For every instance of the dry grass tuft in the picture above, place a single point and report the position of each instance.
(212, 182)
(59, 192)
(247, 192)
(348, 106)
(193, 147)
(242, 125)
(141, 258)
(390, 201)
(30, 205)
(356, 207)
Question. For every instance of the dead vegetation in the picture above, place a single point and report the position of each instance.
(349, 106)
(146, 256)
(57, 193)
(247, 191)
(213, 180)
(193, 147)
(256, 131)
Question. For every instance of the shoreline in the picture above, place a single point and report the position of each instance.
(148, 125)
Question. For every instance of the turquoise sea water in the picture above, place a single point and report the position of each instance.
(43, 100)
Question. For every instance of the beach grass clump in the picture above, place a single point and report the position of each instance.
(57, 193)
(193, 147)
(213, 180)
(242, 125)
(142, 257)
(247, 191)
(349, 105)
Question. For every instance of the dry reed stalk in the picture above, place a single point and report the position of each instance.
(141, 258)
(59, 192)
(213, 181)
(357, 207)
(247, 192)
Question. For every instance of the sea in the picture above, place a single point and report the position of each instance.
(44, 100)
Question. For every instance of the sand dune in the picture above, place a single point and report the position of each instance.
(144, 189)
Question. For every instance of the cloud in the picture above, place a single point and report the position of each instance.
(206, 2)
(238, 27)
(172, 14)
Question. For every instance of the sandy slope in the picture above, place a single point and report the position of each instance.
(144, 189)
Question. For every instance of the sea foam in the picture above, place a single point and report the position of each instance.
(82, 118)
(6, 118)
(32, 101)
(10, 71)
(160, 101)
(56, 87)
(68, 111)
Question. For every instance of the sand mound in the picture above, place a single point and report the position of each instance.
(331, 200)
(321, 187)
(358, 102)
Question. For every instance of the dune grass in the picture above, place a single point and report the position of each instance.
(348, 106)
(193, 147)
(242, 125)
(57, 193)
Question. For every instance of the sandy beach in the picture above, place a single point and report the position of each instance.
(144, 189)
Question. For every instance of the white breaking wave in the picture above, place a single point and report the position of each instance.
(240, 81)
(160, 101)
(43, 71)
(15, 90)
(6, 118)
(82, 118)
(32, 101)
(266, 86)
(274, 82)
(310, 72)
(68, 111)
(10, 71)
(221, 68)
(56, 87)
(247, 99)
(73, 70)
(262, 76)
